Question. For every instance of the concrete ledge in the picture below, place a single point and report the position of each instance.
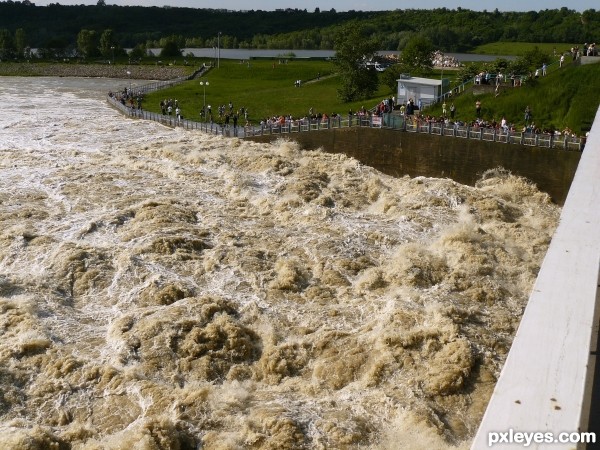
(399, 153)
(547, 379)
(590, 60)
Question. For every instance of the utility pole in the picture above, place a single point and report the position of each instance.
(204, 84)
(219, 50)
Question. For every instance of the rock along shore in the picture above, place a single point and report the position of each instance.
(142, 72)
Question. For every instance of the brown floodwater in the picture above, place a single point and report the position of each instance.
(166, 289)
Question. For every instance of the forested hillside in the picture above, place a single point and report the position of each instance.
(23, 24)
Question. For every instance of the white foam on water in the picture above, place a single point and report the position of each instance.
(168, 289)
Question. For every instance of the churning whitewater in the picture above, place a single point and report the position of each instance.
(167, 289)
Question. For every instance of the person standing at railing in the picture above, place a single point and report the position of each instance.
(452, 111)
(478, 109)
(410, 107)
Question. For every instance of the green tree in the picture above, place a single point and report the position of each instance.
(416, 57)
(138, 52)
(171, 48)
(535, 58)
(467, 72)
(20, 42)
(53, 48)
(108, 44)
(353, 49)
(391, 75)
(7, 45)
(87, 43)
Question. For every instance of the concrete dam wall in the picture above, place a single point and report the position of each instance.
(399, 153)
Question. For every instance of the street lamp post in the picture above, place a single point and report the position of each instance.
(442, 80)
(219, 50)
(113, 54)
(129, 76)
(204, 84)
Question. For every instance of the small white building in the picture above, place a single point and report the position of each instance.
(424, 91)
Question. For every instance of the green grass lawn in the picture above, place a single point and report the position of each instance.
(567, 97)
(266, 88)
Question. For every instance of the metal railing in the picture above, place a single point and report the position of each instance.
(387, 121)
(158, 85)
(497, 135)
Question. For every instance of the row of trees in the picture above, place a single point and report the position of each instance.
(89, 44)
(355, 41)
(10, 45)
(448, 30)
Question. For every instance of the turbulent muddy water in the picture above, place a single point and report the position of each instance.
(164, 289)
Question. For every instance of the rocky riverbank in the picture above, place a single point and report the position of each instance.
(142, 72)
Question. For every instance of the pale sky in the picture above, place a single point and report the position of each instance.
(345, 5)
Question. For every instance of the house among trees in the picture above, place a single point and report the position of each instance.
(423, 91)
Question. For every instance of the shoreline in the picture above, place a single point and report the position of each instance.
(142, 72)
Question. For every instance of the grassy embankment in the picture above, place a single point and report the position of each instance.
(266, 88)
(566, 97)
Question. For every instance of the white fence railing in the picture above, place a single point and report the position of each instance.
(498, 135)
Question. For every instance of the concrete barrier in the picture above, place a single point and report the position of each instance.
(400, 153)
(547, 382)
(589, 60)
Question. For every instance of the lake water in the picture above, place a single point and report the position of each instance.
(161, 288)
(227, 53)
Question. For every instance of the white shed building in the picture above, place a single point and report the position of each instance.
(424, 91)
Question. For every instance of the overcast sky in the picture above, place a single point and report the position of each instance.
(345, 5)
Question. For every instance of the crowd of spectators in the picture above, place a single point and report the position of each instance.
(503, 79)
(500, 126)
(128, 97)
(587, 50)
